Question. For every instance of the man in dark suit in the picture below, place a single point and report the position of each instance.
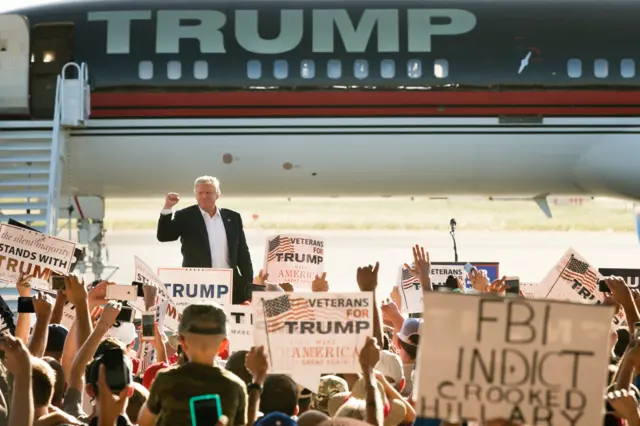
(211, 237)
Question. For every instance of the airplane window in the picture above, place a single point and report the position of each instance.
(360, 69)
(48, 56)
(280, 69)
(308, 69)
(254, 69)
(387, 68)
(201, 70)
(441, 68)
(414, 68)
(601, 68)
(334, 68)
(574, 68)
(145, 70)
(627, 68)
(174, 70)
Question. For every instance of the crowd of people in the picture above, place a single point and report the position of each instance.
(89, 375)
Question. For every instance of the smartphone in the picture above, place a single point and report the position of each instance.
(126, 314)
(140, 286)
(118, 375)
(122, 292)
(512, 285)
(56, 282)
(603, 287)
(148, 326)
(205, 410)
(468, 268)
(25, 305)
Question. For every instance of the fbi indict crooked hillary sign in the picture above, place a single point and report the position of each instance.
(523, 360)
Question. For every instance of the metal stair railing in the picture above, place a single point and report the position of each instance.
(59, 138)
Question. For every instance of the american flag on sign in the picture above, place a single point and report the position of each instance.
(579, 270)
(279, 245)
(407, 279)
(283, 308)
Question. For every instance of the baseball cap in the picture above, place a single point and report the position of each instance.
(57, 336)
(203, 319)
(410, 328)
(329, 386)
(275, 419)
(124, 332)
(390, 366)
(151, 372)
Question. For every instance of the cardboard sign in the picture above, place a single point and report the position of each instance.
(32, 253)
(308, 334)
(294, 259)
(529, 361)
(187, 286)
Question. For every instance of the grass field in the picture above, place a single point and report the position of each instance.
(392, 213)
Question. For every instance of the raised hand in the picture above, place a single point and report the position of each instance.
(261, 278)
(369, 355)
(421, 267)
(320, 283)
(171, 200)
(43, 306)
(367, 277)
(24, 285)
(257, 363)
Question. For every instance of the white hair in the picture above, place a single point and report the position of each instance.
(207, 180)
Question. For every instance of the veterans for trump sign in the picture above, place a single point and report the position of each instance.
(294, 259)
(32, 253)
(528, 361)
(308, 334)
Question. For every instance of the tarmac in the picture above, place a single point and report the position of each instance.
(529, 255)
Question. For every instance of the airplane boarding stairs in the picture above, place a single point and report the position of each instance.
(25, 167)
(32, 155)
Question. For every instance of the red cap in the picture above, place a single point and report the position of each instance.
(151, 372)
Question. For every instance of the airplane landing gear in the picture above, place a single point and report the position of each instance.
(88, 213)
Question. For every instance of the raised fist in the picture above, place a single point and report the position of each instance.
(171, 200)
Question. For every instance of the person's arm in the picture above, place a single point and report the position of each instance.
(169, 228)
(43, 307)
(244, 259)
(151, 409)
(258, 365)
(18, 362)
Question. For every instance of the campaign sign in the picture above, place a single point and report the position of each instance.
(198, 285)
(631, 276)
(526, 361)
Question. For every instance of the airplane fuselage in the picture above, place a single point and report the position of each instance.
(497, 98)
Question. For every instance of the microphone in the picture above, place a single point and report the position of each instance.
(453, 224)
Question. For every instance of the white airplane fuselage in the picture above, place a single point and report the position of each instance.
(357, 156)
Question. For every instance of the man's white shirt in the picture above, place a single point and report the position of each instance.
(218, 244)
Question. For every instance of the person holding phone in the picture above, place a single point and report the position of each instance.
(201, 331)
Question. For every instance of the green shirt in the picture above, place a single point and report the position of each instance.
(173, 388)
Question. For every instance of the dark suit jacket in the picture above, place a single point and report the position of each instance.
(188, 226)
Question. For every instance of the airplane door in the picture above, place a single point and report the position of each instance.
(14, 65)
(51, 49)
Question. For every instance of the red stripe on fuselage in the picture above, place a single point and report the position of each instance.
(365, 103)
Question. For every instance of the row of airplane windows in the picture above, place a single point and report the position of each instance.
(281, 69)
(601, 68)
(414, 69)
